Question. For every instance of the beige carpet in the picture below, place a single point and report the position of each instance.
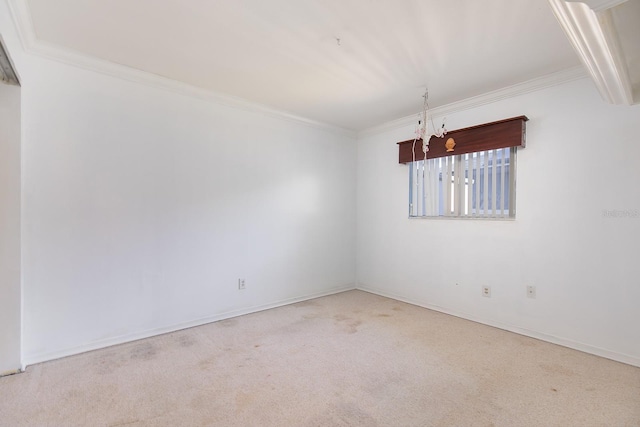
(352, 359)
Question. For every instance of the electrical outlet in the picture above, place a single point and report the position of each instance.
(486, 291)
(241, 284)
(531, 291)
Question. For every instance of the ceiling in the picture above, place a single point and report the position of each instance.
(348, 63)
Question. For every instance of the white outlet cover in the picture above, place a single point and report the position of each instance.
(531, 291)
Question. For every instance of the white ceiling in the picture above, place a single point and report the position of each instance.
(285, 53)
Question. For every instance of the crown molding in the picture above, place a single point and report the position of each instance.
(594, 37)
(23, 23)
(528, 86)
(599, 5)
(32, 45)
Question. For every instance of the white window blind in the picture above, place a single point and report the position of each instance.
(473, 185)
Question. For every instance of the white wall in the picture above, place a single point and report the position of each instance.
(581, 159)
(9, 228)
(143, 207)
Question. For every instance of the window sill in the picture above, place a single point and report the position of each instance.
(464, 218)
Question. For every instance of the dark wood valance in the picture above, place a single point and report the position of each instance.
(489, 136)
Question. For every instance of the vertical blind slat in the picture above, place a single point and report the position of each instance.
(502, 206)
(456, 186)
(477, 184)
(435, 183)
(412, 195)
(430, 166)
(476, 174)
(422, 190)
(446, 177)
(470, 190)
(485, 196)
(494, 168)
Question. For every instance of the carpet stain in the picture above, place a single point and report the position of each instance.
(109, 362)
(186, 341)
(352, 326)
(349, 324)
(124, 423)
(207, 363)
(311, 316)
(344, 414)
(144, 351)
(244, 400)
(526, 341)
(308, 303)
(396, 308)
(227, 323)
(383, 315)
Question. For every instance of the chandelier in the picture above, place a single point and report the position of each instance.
(423, 129)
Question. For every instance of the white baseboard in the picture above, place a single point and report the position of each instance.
(96, 345)
(10, 372)
(608, 354)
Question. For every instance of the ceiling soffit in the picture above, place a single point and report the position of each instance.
(604, 33)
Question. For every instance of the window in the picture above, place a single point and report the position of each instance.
(479, 184)
(468, 173)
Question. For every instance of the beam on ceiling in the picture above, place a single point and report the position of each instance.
(594, 37)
